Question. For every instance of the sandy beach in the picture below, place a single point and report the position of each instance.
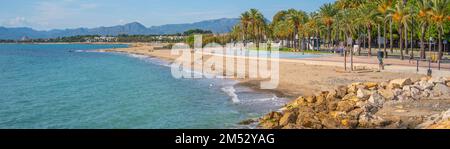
(298, 77)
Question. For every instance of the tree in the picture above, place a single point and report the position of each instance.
(439, 15)
(326, 14)
(367, 18)
(257, 24)
(245, 23)
(423, 16)
(383, 11)
(400, 15)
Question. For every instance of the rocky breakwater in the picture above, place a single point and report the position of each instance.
(357, 105)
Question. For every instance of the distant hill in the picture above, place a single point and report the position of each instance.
(216, 26)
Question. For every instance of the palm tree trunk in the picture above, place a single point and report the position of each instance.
(329, 36)
(422, 44)
(440, 31)
(384, 42)
(400, 32)
(391, 43)
(379, 36)
(369, 33)
(406, 40)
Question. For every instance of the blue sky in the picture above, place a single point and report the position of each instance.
(60, 14)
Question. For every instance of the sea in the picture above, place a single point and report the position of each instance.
(72, 86)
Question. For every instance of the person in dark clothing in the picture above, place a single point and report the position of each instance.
(380, 56)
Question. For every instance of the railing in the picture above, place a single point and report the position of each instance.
(429, 71)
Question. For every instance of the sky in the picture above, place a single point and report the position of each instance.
(62, 14)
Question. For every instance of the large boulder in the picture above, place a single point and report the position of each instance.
(400, 82)
(425, 85)
(415, 93)
(435, 80)
(306, 118)
(441, 90)
(288, 117)
(270, 121)
(350, 96)
(387, 94)
(341, 91)
(376, 100)
(371, 85)
(345, 106)
(363, 94)
(311, 99)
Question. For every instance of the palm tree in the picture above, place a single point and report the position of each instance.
(439, 15)
(400, 15)
(282, 30)
(327, 13)
(236, 32)
(383, 11)
(258, 24)
(296, 19)
(423, 17)
(367, 18)
(245, 22)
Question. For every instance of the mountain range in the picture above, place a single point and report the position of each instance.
(216, 26)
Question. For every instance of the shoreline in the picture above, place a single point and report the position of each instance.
(313, 78)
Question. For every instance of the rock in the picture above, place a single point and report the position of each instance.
(341, 91)
(415, 93)
(345, 106)
(330, 123)
(247, 122)
(288, 117)
(300, 101)
(371, 85)
(402, 98)
(383, 85)
(397, 92)
(349, 123)
(387, 94)
(400, 82)
(406, 93)
(307, 119)
(425, 85)
(351, 97)
(424, 94)
(406, 88)
(332, 95)
(352, 89)
(363, 94)
(376, 100)
(270, 121)
(354, 114)
(311, 99)
(320, 99)
(436, 80)
(441, 90)
(332, 105)
(292, 126)
(448, 84)
(366, 107)
(363, 121)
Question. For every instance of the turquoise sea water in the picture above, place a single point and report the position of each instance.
(69, 86)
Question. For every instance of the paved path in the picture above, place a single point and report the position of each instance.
(392, 65)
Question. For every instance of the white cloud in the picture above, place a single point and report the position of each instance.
(17, 21)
